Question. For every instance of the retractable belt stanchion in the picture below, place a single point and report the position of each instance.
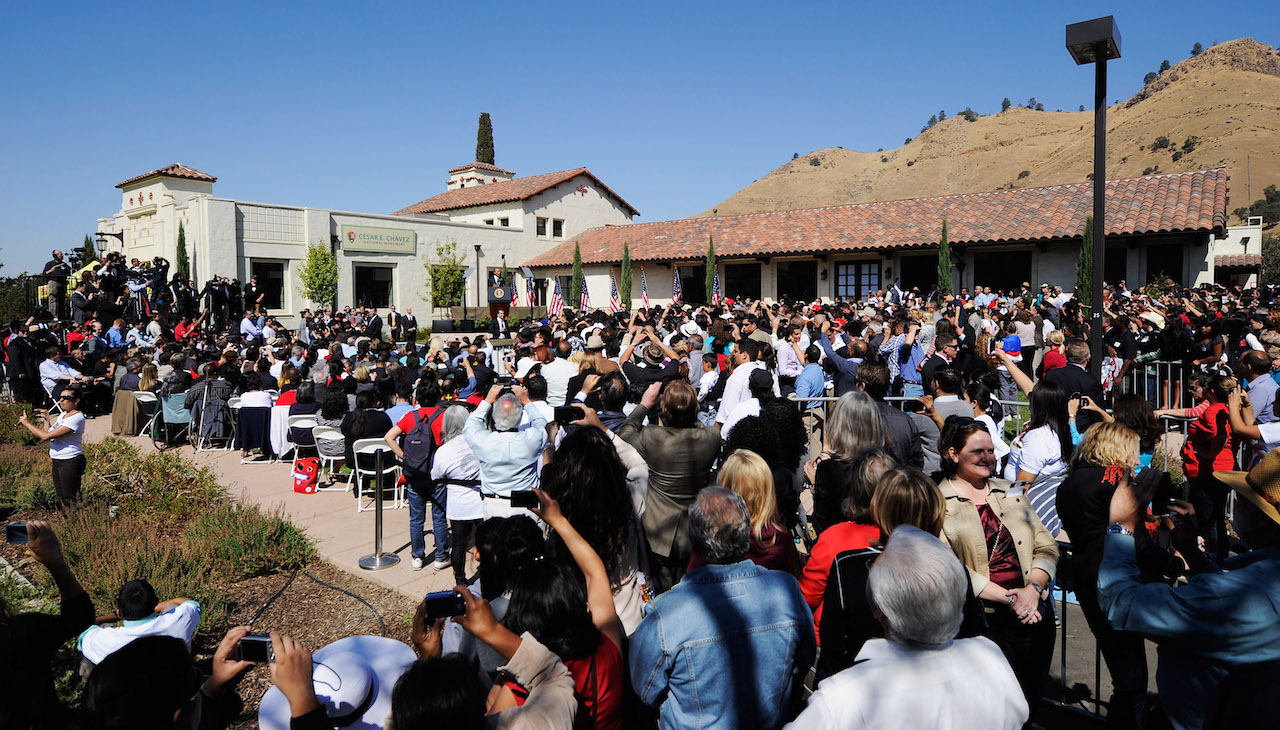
(378, 560)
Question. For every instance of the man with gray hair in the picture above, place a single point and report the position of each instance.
(509, 458)
(917, 591)
(729, 645)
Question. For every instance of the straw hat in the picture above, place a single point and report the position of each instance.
(1260, 485)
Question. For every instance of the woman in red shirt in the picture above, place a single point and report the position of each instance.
(1054, 357)
(856, 533)
(1209, 448)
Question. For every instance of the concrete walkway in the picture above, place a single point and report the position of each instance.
(329, 518)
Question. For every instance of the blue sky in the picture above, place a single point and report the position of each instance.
(363, 106)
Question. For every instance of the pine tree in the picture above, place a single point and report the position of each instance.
(711, 266)
(1004, 105)
(576, 288)
(1164, 65)
(944, 260)
(1084, 266)
(86, 253)
(505, 281)
(484, 140)
(1197, 49)
(180, 260)
(319, 275)
(624, 285)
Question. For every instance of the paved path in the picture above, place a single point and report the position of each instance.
(329, 518)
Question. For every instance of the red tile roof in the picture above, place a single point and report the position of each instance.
(1238, 261)
(174, 170)
(1167, 203)
(521, 188)
(481, 166)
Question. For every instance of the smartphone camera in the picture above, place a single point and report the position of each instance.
(445, 604)
(16, 533)
(254, 648)
(568, 414)
(524, 499)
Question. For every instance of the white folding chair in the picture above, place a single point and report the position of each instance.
(147, 401)
(302, 423)
(390, 474)
(332, 436)
(56, 408)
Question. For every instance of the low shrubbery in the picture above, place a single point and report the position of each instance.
(156, 517)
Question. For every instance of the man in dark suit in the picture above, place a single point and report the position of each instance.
(945, 349)
(410, 327)
(396, 323)
(904, 434)
(1076, 378)
(499, 327)
(373, 326)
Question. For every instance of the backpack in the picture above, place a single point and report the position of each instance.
(420, 445)
(306, 475)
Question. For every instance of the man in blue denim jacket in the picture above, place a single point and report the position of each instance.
(729, 645)
(1219, 635)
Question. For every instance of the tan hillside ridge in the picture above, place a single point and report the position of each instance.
(1228, 97)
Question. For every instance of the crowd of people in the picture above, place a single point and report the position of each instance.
(621, 499)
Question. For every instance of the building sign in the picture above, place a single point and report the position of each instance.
(378, 240)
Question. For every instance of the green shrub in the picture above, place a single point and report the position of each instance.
(1177, 155)
(1024, 173)
(883, 158)
(242, 542)
(1162, 142)
(910, 163)
(815, 161)
(1148, 170)
(12, 432)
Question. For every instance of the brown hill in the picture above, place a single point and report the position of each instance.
(1227, 100)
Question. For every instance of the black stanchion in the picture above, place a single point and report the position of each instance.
(378, 560)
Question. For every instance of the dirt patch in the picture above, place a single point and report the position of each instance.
(316, 614)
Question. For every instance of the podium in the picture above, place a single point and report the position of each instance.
(499, 298)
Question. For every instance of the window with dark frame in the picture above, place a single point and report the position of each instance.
(857, 279)
(488, 221)
(542, 227)
(557, 228)
(373, 286)
(504, 222)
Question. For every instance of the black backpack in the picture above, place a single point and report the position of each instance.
(420, 445)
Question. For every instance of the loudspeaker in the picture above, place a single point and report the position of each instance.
(441, 325)
(466, 325)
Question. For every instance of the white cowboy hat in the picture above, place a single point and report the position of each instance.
(353, 679)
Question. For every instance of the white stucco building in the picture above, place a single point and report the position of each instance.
(488, 211)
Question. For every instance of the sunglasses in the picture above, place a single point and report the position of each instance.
(66, 397)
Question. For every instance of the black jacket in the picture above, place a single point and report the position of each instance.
(1075, 379)
(904, 435)
(930, 370)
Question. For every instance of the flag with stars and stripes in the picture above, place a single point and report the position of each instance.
(715, 289)
(675, 285)
(528, 292)
(515, 292)
(644, 291)
(615, 304)
(557, 302)
(584, 302)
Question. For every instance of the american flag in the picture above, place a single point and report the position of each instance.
(515, 292)
(615, 304)
(557, 302)
(715, 289)
(644, 291)
(528, 292)
(675, 285)
(584, 303)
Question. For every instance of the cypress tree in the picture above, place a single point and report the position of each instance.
(484, 140)
(1084, 267)
(576, 287)
(711, 266)
(624, 285)
(88, 252)
(944, 260)
(181, 262)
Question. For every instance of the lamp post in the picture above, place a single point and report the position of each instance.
(101, 240)
(1097, 41)
(479, 275)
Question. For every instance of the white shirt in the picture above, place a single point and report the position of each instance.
(558, 372)
(966, 685)
(1040, 454)
(707, 382)
(748, 407)
(997, 438)
(256, 398)
(454, 460)
(180, 622)
(1270, 433)
(68, 446)
(736, 389)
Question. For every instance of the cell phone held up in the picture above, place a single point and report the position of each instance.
(254, 648)
(567, 414)
(524, 499)
(15, 533)
(444, 604)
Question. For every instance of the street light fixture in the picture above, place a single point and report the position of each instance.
(1097, 41)
(101, 240)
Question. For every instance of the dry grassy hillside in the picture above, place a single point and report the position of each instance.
(1228, 97)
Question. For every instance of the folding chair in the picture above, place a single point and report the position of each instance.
(173, 415)
(302, 424)
(253, 431)
(390, 471)
(55, 409)
(215, 408)
(149, 406)
(330, 435)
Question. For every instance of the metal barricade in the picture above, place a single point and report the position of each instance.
(1161, 382)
